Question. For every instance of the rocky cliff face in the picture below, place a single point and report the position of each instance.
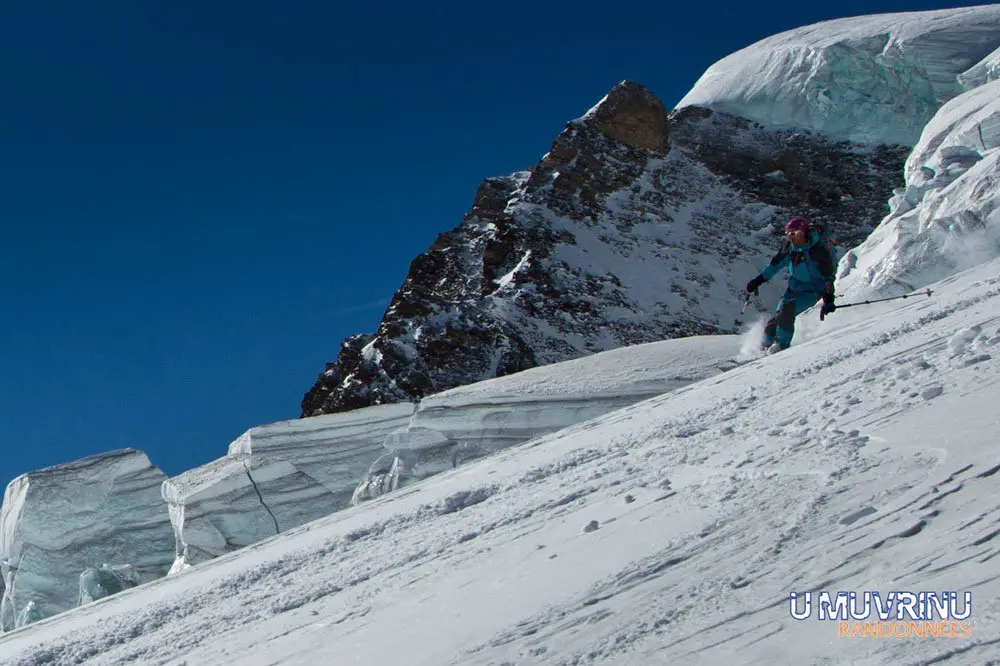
(637, 225)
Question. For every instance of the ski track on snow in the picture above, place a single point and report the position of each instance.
(741, 509)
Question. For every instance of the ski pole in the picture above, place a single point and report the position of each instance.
(928, 292)
(746, 304)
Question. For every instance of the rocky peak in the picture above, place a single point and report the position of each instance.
(637, 225)
(631, 115)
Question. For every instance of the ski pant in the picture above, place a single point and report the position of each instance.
(781, 327)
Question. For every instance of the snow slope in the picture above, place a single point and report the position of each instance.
(872, 79)
(468, 422)
(670, 531)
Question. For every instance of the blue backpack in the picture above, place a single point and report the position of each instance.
(828, 240)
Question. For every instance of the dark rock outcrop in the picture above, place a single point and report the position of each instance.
(845, 185)
(637, 225)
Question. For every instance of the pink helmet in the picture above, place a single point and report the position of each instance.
(797, 224)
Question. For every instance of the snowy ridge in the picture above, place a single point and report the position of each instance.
(872, 79)
(671, 530)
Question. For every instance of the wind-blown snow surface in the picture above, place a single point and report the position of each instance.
(670, 531)
(873, 79)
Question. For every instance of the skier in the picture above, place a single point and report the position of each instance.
(811, 270)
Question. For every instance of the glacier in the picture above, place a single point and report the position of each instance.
(334, 449)
(104, 581)
(134, 525)
(469, 422)
(236, 501)
(921, 79)
(58, 522)
(273, 478)
(986, 70)
(872, 79)
(945, 218)
(412, 454)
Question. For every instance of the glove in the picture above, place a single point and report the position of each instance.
(754, 284)
(828, 306)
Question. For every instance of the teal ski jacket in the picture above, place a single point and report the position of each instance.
(810, 268)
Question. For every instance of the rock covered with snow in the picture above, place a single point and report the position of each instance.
(238, 500)
(871, 79)
(60, 521)
(945, 218)
(472, 421)
(636, 226)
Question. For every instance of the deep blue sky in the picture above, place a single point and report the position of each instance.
(199, 201)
